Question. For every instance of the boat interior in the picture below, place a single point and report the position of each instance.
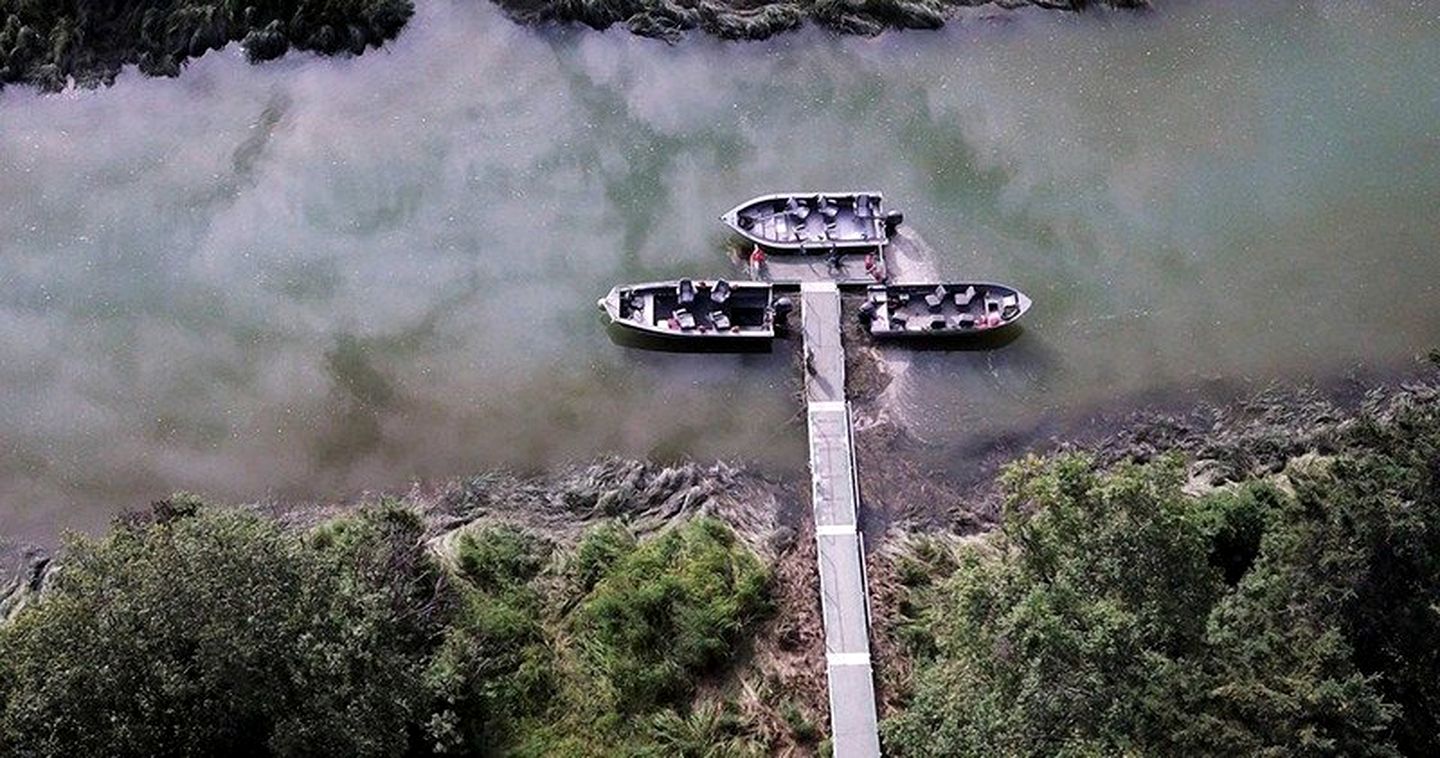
(699, 307)
(938, 308)
(817, 219)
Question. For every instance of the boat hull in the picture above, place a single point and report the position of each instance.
(798, 222)
(938, 312)
(626, 335)
(648, 316)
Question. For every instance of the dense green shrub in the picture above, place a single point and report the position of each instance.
(601, 548)
(496, 667)
(1112, 614)
(220, 632)
(202, 630)
(1095, 586)
(710, 730)
(670, 610)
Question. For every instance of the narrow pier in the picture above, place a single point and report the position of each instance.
(844, 599)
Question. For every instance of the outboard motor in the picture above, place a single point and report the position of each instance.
(782, 308)
(867, 312)
(893, 219)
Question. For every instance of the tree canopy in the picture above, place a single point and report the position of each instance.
(216, 631)
(1114, 614)
(223, 633)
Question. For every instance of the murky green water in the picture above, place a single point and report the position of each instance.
(320, 276)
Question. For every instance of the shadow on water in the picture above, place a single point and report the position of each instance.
(956, 385)
(629, 338)
(969, 343)
(361, 396)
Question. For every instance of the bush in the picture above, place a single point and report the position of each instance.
(220, 632)
(670, 610)
(1111, 614)
(500, 558)
(602, 547)
(496, 666)
(199, 630)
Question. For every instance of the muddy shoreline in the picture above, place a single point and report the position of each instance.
(1229, 430)
(759, 19)
(91, 51)
(1253, 434)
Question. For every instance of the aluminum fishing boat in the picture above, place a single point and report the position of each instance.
(713, 312)
(941, 310)
(815, 222)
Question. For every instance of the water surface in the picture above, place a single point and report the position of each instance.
(313, 277)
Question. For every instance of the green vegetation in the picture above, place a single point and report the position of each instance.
(216, 631)
(605, 646)
(219, 632)
(1113, 614)
(45, 42)
(667, 610)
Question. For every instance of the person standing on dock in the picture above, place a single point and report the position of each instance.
(757, 262)
(874, 267)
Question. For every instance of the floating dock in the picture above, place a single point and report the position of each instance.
(835, 497)
(835, 493)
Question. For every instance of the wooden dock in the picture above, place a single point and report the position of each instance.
(840, 546)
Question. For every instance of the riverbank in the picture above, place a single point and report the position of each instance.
(618, 607)
(754, 20)
(48, 46)
(536, 557)
(1244, 578)
(51, 48)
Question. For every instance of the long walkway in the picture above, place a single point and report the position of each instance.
(835, 494)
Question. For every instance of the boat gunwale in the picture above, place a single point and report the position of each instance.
(611, 304)
(1024, 303)
(731, 218)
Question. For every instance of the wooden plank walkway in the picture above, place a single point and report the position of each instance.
(835, 497)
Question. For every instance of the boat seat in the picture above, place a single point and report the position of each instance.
(1009, 306)
(898, 321)
(685, 291)
(720, 292)
(965, 321)
(720, 320)
(937, 323)
(936, 298)
(685, 319)
(862, 206)
(963, 299)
